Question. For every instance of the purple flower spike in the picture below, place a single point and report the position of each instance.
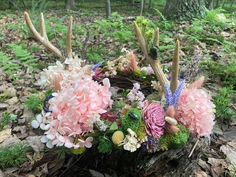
(172, 99)
(95, 67)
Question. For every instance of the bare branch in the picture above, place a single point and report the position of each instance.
(175, 68)
(42, 38)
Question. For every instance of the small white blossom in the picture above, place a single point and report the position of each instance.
(35, 124)
(44, 139)
(101, 125)
(136, 95)
(49, 145)
(42, 121)
(147, 70)
(155, 85)
(131, 143)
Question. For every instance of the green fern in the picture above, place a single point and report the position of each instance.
(9, 65)
(13, 156)
(25, 57)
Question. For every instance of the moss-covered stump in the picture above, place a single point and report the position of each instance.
(140, 163)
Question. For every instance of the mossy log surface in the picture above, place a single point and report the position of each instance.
(138, 164)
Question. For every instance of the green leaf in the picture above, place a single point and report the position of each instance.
(113, 126)
(13, 117)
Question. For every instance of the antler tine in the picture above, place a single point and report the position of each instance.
(43, 31)
(69, 36)
(141, 40)
(175, 68)
(157, 37)
(153, 62)
(43, 37)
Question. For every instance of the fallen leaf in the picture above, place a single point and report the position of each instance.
(23, 131)
(1, 174)
(200, 173)
(230, 151)
(10, 141)
(28, 115)
(3, 106)
(12, 101)
(218, 166)
(35, 143)
(4, 134)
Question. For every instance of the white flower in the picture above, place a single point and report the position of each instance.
(155, 85)
(131, 143)
(42, 121)
(49, 145)
(136, 95)
(44, 139)
(136, 86)
(35, 124)
(101, 125)
(147, 70)
(106, 82)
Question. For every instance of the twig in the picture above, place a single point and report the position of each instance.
(194, 147)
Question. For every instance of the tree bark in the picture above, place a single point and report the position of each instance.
(141, 7)
(209, 4)
(149, 4)
(184, 9)
(70, 4)
(108, 8)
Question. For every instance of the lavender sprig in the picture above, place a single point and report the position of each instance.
(172, 99)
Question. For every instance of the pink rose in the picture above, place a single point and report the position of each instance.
(154, 116)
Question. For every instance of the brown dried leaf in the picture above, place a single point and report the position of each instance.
(4, 134)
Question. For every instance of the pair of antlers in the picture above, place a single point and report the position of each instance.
(155, 63)
(43, 38)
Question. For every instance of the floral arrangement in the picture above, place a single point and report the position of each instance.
(123, 104)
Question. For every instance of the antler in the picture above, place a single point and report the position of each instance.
(43, 38)
(155, 64)
(175, 68)
(69, 36)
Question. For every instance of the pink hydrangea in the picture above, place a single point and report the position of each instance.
(63, 75)
(195, 110)
(75, 109)
(154, 116)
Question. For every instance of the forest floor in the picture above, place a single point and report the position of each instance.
(208, 47)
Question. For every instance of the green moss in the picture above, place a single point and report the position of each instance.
(147, 27)
(132, 120)
(223, 101)
(142, 133)
(175, 141)
(104, 145)
(13, 156)
(226, 72)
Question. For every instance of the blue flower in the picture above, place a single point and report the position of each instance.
(95, 67)
(172, 99)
